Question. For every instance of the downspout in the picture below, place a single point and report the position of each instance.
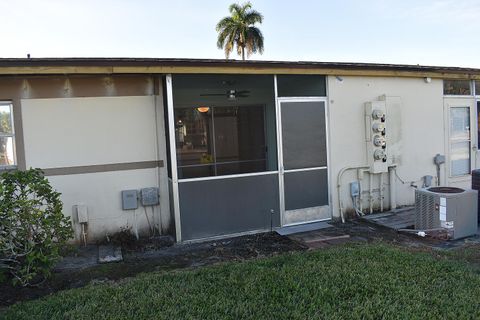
(391, 176)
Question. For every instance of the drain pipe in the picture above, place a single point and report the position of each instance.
(339, 184)
(381, 192)
(391, 177)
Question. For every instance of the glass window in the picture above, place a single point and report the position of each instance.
(477, 87)
(457, 87)
(7, 137)
(301, 86)
(459, 141)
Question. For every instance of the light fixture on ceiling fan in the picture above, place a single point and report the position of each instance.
(231, 94)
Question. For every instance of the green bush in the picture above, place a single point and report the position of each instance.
(32, 226)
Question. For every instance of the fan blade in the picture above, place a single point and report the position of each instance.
(212, 94)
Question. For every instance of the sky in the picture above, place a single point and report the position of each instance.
(425, 32)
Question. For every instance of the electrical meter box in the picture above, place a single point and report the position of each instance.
(129, 199)
(149, 196)
(376, 136)
(82, 213)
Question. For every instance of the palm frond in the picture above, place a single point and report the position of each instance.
(239, 30)
(252, 17)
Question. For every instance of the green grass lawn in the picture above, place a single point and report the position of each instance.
(372, 281)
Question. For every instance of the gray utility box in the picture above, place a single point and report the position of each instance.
(129, 199)
(149, 196)
(453, 209)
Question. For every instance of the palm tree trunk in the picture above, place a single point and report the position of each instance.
(243, 52)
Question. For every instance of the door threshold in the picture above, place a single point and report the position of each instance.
(304, 227)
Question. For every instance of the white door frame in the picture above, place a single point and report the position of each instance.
(449, 102)
(281, 168)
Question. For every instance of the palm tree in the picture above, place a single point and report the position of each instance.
(239, 30)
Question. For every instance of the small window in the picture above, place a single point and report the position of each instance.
(457, 87)
(301, 86)
(477, 87)
(7, 135)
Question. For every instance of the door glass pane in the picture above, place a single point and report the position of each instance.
(303, 135)
(6, 119)
(460, 158)
(6, 151)
(240, 134)
(460, 123)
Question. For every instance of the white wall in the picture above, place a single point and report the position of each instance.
(420, 138)
(66, 132)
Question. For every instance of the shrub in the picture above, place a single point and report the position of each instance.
(32, 226)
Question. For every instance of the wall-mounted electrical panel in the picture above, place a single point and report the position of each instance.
(82, 213)
(149, 196)
(129, 199)
(376, 136)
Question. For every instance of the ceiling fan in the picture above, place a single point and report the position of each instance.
(231, 94)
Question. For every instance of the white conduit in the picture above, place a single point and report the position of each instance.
(391, 171)
(339, 184)
(381, 192)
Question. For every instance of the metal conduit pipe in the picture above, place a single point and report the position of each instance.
(393, 191)
(381, 192)
(339, 184)
(370, 191)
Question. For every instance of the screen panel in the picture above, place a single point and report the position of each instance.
(224, 206)
(304, 134)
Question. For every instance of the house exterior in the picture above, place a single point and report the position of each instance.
(234, 147)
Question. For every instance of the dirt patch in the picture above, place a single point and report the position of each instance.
(156, 255)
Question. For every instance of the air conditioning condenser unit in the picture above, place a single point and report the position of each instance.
(453, 209)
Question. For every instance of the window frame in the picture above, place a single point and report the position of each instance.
(10, 135)
(472, 89)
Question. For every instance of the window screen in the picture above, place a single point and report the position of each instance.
(7, 135)
(215, 141)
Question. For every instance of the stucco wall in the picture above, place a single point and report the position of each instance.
(67, 132)
(413, 106)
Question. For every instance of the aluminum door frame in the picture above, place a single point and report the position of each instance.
(281, 169)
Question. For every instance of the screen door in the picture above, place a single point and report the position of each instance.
(303, 171)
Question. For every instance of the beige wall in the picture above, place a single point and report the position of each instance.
(414, 107)
(68, 132)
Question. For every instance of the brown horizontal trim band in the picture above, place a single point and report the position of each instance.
(37, 66)
(62, 171)
(185, 62)
(234, 70)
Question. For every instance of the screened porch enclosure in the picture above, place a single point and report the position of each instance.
(226, 152)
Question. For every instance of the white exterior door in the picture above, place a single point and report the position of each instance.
(460, 144)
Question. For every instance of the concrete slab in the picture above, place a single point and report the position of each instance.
(109, 253)
(83, 257)
(303, 228)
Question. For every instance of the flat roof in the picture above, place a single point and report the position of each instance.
(15, 66)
